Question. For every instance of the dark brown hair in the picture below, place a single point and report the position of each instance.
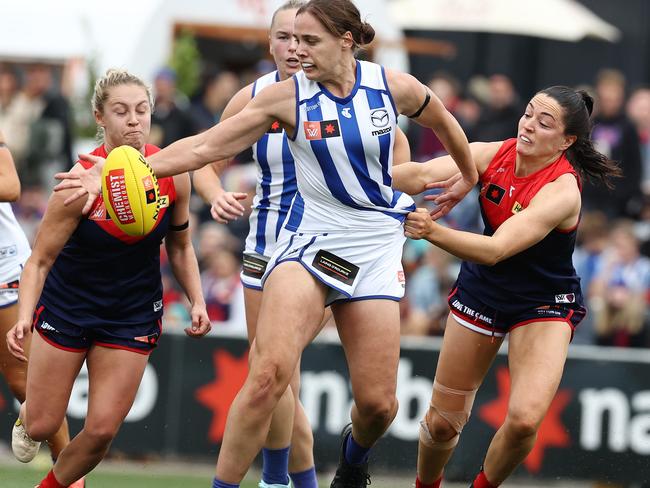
(577, 107)
(339, 17)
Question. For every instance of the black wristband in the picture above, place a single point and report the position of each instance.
(178, 228)
(427, 99)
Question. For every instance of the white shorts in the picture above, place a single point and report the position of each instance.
(253, 268)
(9, 286)
(355, 265)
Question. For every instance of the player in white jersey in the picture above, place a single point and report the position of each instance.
(340, 116)
(288, 449)
(14, 251)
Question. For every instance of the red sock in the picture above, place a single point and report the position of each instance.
(50, 481)
(482, 482)
(435, 484)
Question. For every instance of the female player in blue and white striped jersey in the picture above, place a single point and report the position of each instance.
(345, 246)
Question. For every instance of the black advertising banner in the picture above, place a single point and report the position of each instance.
(598, 425)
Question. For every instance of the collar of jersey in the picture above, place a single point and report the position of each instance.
(343, 101)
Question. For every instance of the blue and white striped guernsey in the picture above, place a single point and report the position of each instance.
(344, 152)
(276, 183)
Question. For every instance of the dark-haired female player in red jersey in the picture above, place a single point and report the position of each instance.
(517, 278)
(94, 294)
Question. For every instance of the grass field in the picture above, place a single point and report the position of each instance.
(21, 477)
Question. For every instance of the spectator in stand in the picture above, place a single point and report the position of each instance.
(14, 119)
(50, 139)
(216, 91)
(170, 120)
(638, 110)
(427, 145)
(499, 119)
(618, 292)
(591, 241)
(615, 136)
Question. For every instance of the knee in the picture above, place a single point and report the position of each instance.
(268, 381)
(439, 427)
(521, 424)
(41, 428)
(100, 434)
(378, 410)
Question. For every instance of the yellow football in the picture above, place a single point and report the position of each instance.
(130, 191)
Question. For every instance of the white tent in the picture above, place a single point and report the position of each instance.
(564, 20)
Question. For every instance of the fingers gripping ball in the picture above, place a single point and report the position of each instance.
(130, 191)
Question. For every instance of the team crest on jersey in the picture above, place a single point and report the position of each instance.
(275, 128)
(494, 193)
(517, 207)
(315, 131)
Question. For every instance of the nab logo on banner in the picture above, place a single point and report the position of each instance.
(315, 131)
(229, 376)
(552, 432)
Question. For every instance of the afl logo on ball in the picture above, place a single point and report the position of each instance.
(379, 117)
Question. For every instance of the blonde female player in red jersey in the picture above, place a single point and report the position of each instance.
(94, 294)
(517, 278)
(276, 188)
(14, 251)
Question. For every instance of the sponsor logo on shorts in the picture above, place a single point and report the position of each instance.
(157, 305)
(8, 251)
(118, 197)
(336, 267)
(401, 278)
(470, 312)
(148, 339)
(324, 129)
(45, 326)
(565, 298)
(253, 266)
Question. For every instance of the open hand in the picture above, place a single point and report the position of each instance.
(226, 207)
(86, 181)
(454, 189)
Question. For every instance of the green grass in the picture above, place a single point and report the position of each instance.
(26, 477)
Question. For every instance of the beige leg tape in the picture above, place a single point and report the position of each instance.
(452, 405)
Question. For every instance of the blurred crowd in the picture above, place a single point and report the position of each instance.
(613, 251)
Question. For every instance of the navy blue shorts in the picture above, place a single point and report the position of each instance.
(70, 337)
(470, 312)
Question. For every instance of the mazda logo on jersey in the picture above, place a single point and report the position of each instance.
(379, 117)
(494, 193)
(322, 129)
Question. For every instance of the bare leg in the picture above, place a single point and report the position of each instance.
(536, 356)
(114, 376)
(369, 331)
(286, 324)
(464, 360)
(15, 372)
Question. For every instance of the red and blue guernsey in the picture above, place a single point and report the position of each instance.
(542, 275)
(104, 277)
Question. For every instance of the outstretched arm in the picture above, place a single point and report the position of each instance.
(556, 205)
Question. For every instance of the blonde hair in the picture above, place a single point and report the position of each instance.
(114, 77)
(289, 5)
